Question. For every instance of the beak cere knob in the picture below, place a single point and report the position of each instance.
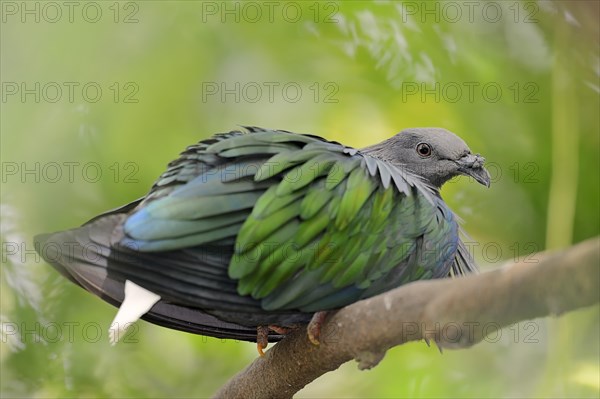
(472, 165)
(479, 161)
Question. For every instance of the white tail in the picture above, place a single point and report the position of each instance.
(138, 301)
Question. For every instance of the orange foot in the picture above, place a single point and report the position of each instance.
(262, 339)
(281, 330)
(314, 327)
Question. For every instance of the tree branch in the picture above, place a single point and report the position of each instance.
(455, 313)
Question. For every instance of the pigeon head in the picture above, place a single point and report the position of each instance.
(435, 154)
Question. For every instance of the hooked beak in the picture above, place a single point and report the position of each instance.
(472, 165)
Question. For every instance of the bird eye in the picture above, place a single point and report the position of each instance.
(424, 149)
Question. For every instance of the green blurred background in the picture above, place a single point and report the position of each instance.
(97, 97)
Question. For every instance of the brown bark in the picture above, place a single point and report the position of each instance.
(455, 313)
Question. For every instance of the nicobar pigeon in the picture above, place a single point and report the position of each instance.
(250, 234)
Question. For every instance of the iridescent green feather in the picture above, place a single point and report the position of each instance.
(315, 224)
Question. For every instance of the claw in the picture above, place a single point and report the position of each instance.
(314, 327)
(262, 339)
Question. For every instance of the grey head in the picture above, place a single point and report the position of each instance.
(435, 154)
